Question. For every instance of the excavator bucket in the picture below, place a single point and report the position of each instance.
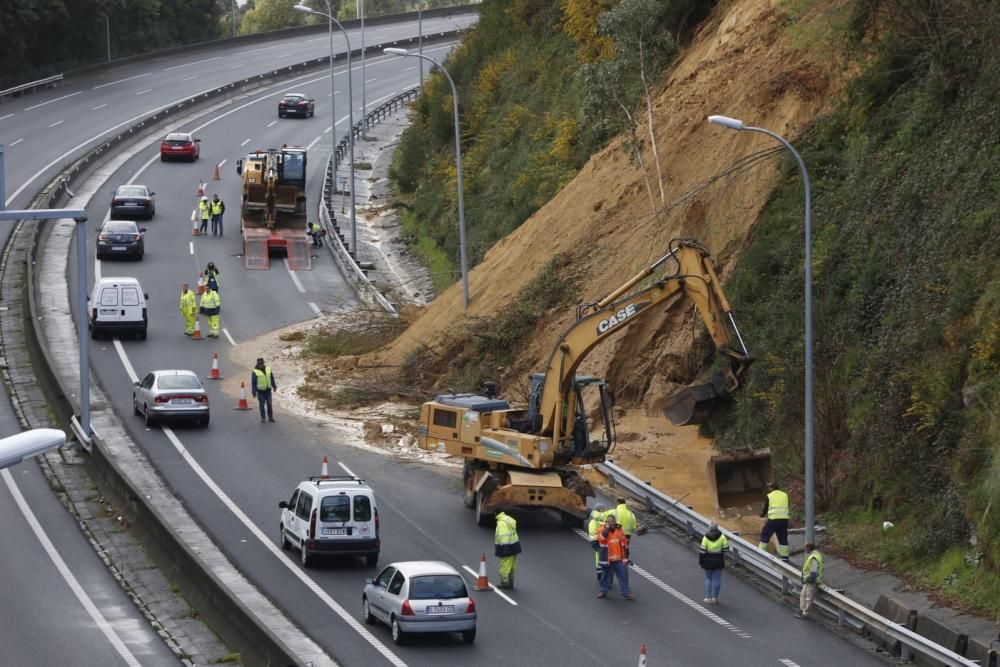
(738, 481)
(694, 404)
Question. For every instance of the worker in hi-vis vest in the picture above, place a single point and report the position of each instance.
(776, 511)
(593, 527)
(189, 309)
(507, 546)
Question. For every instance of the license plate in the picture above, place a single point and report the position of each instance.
(335, 531)
(131, 203)
(118, 247)
(182, 401)
(109, 311)
(441, 609)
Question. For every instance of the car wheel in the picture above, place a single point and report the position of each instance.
(366, 612)
(163, 158)
(398, 636)
(371, 559)
(281, 115)
(145, 413)
(135, 406)
(141, 334)
(282, 539)
(469, 636)
(100, 256)
(204, 420)
(306, 557)
(139, 256)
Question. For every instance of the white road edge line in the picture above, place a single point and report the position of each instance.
(188, 78)
(15, 142)
(295, 278)
(143, 92)
(496, 590)
(788, 663)
(79, 92)
(346, 469)
(272, 123)
(229, 338)
(221, 163)
(58, 122)
(6, 117)
(99, 106)
(67, 575)
(245, 142)
(312, 143)
(316, 309)
(191, 247)
(196, 62)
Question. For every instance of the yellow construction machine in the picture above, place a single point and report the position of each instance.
(525, 455)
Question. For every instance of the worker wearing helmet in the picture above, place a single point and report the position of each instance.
(211, 306)
(593, 527)
(204, 214)
(507, 546)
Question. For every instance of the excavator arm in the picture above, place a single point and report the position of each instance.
(696, 277)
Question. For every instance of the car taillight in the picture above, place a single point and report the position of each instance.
(377, 520)
(136, 237)
(312, 527)
(144, 313)
(116, 202)
(93, 313)
(407, 609)
(303, 104)
(164, 145)
(161, 399)
(471, 609)
(201, 399)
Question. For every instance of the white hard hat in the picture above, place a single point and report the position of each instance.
(204, 198)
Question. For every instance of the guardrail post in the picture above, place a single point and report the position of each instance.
(905, 653)
(994, 656)
(786, 588)
(841, 616)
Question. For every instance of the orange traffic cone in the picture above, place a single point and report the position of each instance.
(197, 328)
(216, 176)
(642, 655)
(324, 471)
(242, 405)
(214, 374)
(483, 582)
(201, 283)
(200, 192)
(195, 231)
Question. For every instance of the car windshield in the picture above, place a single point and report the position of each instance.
(178, 382)
(293, 98)
(132, 191)
(122, 227)
(437, 586)
(335, 508)
(178, 137)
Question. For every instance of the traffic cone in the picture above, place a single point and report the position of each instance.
(200, 192)
(483, 582)
(201, 283)
(642, 655)
(214, 374)
(242, 405)
(324, 471)
(194, 226)
(216, 176)
(197, 328)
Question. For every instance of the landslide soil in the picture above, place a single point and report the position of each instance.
(741, 64)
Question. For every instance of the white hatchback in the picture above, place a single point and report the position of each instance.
(333, 515)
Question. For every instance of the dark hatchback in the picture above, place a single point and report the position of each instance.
(120, 238)
(133, 201)
(296, 104)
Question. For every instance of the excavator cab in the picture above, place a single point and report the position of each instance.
(587, 438)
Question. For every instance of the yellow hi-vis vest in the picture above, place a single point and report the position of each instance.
(777, 505)
(596, 521)
(203, 209)
(506, 532)
(216, 207)
(626, 519)
(817, 557)
(263, 378)
(188, 304)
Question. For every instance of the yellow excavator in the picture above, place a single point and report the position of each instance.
(526, 455)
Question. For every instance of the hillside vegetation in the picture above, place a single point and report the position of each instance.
(892, 104)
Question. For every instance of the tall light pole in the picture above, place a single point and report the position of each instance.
(734, 124)
(458, 165)
(350, 112)
(364, 102)
(420, 39)
(107, 32)
(234, 18)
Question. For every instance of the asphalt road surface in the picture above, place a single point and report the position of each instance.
(232, 474)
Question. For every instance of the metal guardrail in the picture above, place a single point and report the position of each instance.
(31, 86)
(348, 261)
(847, 612)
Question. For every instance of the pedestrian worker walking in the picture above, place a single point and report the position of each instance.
(212, 276)
(261, 384)
(613, 557)
(713, 560)
(189, 309)
(216, 208)
(812, 577)
(593, 526)
(204, 213)
(506, 547)
(211, 306)
(776, 511)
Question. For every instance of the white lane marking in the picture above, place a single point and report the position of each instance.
(79, 92)
(384, 97)
(15, 142)
(316, 39)
(6, 117)
(788, 663)
(315, 308)
(285, 55)
(245, 142)
(229, 338)
(143, 92)
(370, 80)
(67, 575)
(191, 247)
(120, 349)
(99, 106)
(327, 130)
(653, 579)
(263, 48)
(238, 66)
(221, 163)
(131, 78)
(409, 69)
(58, 122)
(188, 78)
(196, 62)
(346, 469)
(280, 555)
(308, 148)
(295, 278)
(475, 575)
(272, 123)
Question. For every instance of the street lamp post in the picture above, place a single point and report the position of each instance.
(350, 113)
(420, 40)
(364, 101)
(107, 32)
(458, 165)
(810, 493)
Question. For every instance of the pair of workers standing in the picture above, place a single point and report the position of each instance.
(211, 210)
(610, 533)
(209, 305)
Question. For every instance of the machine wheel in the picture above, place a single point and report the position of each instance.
(398, 636)
(282, 540)
(469, 488)
(484, 519)
(366, 612)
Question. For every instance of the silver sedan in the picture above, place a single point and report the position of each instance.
(171, 394)
(419, 597)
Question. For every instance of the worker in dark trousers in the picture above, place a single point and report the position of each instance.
(261, 384)
(776, 511)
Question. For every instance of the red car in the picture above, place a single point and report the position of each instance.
(179, 145)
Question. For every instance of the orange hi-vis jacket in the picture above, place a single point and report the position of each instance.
(613, 544)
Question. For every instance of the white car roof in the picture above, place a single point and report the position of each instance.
(417, 568)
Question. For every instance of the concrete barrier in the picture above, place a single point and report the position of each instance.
(897, 612)
(941, 634)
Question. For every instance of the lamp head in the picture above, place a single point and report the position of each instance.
(395, 51)
(304, 9)
(726, 121)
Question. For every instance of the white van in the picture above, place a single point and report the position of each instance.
(117, 306)
(332, 516)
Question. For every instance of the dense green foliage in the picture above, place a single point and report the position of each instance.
(907, 288)
(523, 78)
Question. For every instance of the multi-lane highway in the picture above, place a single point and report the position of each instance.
(232, 474)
